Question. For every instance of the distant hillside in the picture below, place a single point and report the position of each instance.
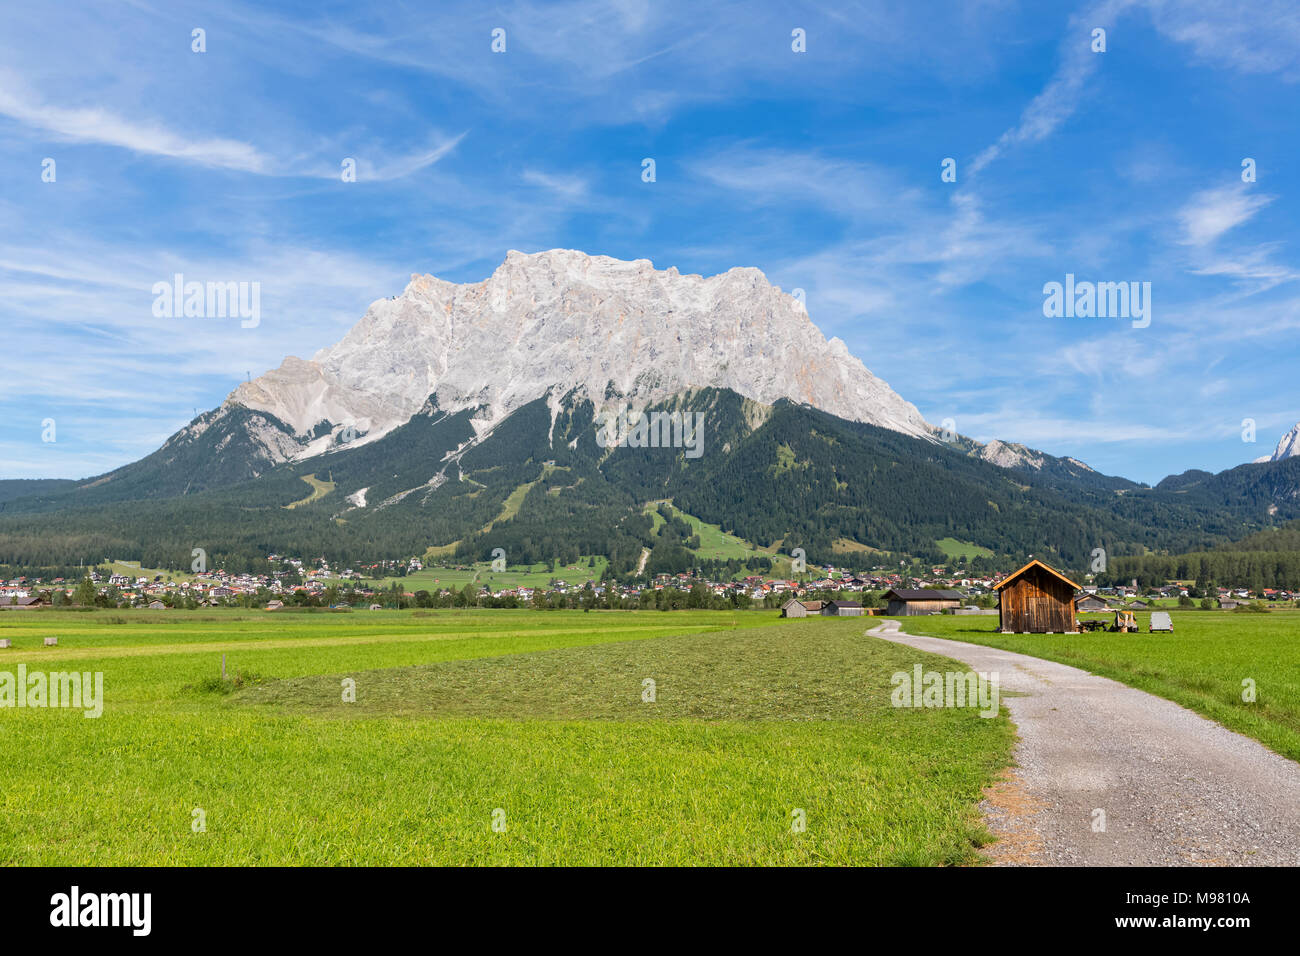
(540, 486)
(1265, 559)
(28, 487)
(1186, 480)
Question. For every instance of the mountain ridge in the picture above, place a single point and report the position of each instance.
(452, 411)
(560, 320)
(1287, 447)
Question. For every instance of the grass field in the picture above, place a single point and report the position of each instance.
(958, 549)
(481, 573)
(133, 570)
(319, 489)
(715, 544)
(533, 719)
(1201, 665)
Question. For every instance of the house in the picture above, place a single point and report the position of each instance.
(1228, 605)
(1037, 600)
(842, 609)
(21, 602)
(157, 606)
(1090, 602)
(908, 602)
(274, 605)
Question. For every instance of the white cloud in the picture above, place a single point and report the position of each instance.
(102, 126)
(772, 176)
(1212, 212)
(1263, 37)
(568, 187)
(396, 167)
(96, 125)
(1058, 100)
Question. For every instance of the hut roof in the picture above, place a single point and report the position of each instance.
(923, 595)
(1052, 571)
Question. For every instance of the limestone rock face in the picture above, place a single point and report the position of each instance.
(1288, 447)
(1012, 455)
(561, 321)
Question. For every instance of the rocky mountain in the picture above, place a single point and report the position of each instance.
(541, 486)
(460, 418)
(559, 322)
(1288, 447)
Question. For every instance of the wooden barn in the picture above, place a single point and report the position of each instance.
(1037, 600)
(904, 602)
(795, 608)
(1086, 603)
(842, 609)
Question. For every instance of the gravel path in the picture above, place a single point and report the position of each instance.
(1175, 788)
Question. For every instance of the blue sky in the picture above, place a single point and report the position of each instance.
(821, 168)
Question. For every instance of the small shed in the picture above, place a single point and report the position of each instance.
(842, 609)
(1037, 600)
(1090, 602)
(907, 602)
(793, 608)
(797, 608)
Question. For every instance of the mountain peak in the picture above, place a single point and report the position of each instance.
(1011, 455)
(561, 320)
(1288, 447)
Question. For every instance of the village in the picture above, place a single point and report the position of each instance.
(821, 591)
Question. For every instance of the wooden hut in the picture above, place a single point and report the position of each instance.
(1037, 600)
(905, 602)
(1090, 602)
(842, 609)
(796, 608)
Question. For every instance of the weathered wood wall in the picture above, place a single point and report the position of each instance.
(1038, 603)
(906, 608)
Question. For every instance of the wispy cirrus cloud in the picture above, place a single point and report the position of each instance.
(97, 125)
(1212, 212)
(1209, 216)
(94, 124)
(1264, 39)
(1060, 98)
(567, 187)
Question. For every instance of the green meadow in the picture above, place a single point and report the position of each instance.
(488, 737)
(715, 544)
(953, 548)
(480, 573)
(1206, 664)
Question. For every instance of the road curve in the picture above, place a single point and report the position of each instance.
(1175, 788)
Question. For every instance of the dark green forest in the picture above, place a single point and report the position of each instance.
(542, 488)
